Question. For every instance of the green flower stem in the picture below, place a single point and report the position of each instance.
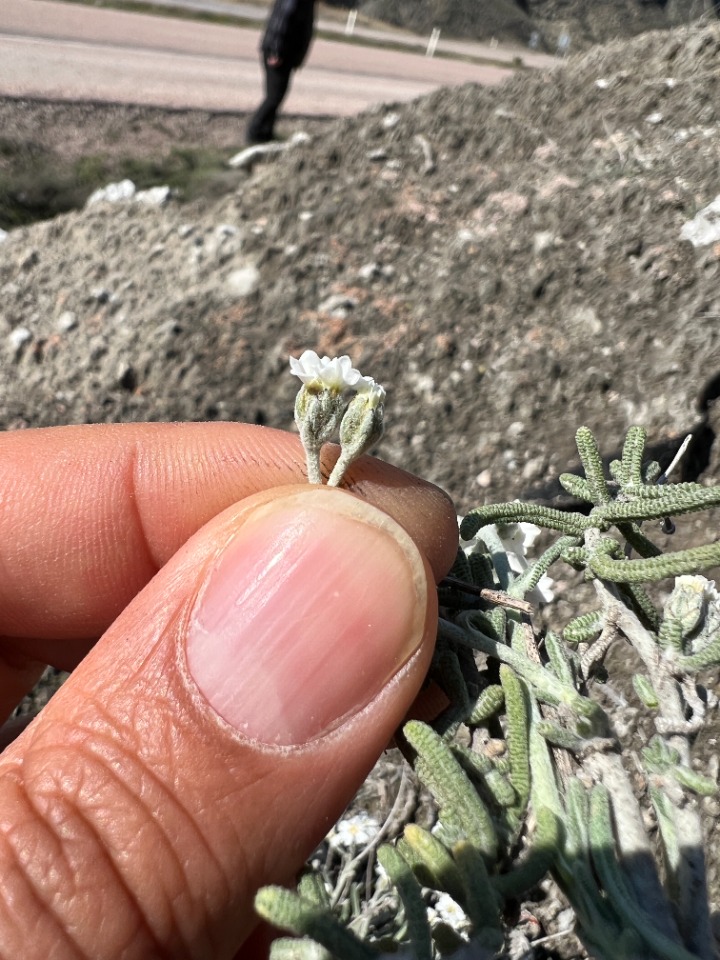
(690, 883)
(545, 686)
(410, 892)
(661, 502)
(599, 924)
(544, 791)
(527, 581)
(312, 463)
(431, 861)
(573, 524)
(517, 737)
(708, 656)
(486, 705)
(546, 843)
(637, 540)
(290, 948)
(583, 629)
(633, 911)
(633, 845)
(494, 786)
(672, 710)
(284, 909)
(560, 660)
(576, 486)
(447, 781)
(501, 563)
(593, 465)
(633, 453)
(479, 898)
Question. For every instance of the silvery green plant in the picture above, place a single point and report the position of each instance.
(525, 767)
(322, 411)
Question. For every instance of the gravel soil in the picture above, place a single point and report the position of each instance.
(507, 262)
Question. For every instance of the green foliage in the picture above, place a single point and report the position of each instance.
(556, 799)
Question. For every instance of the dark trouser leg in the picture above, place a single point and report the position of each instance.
(262, 124)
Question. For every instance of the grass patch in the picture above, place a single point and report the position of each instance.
(36, 185)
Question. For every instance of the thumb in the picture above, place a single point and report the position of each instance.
(214, 734)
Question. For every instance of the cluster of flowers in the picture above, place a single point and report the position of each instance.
(335, 374)
(321, 411)
(516, 539)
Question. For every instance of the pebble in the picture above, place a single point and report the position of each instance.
(112, 193)
(19, 336)
(154, 196)
(338, 305)
(484, 479)
(244, 281)
(66, 321)
(369, 271)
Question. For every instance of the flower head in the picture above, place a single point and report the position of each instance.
(448, 911)
(516, 538)
(320, 409)
(326, 373)
(371, 391)
(353, 832)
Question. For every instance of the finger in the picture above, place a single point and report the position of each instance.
(213, 735)
(89, 514)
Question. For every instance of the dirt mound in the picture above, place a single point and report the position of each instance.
(508, 262)
(533, 280)
(517, 20)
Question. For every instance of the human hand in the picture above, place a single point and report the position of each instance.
(274, 61)
(260, 644)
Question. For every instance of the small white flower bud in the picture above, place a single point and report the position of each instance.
(361, 427)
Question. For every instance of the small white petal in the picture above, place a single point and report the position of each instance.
(450, 912)
(375, 394)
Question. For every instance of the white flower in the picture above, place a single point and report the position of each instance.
(355, 831)
(451, 913)
(372, 392)
(700, 585)
(516, 538)
(334, 373)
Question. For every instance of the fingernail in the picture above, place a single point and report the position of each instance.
(313, 605)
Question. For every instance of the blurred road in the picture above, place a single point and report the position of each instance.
(77, 52)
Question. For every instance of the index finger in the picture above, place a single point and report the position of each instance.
(88, 514)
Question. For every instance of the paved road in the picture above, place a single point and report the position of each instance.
(382, 33)
(63, 51)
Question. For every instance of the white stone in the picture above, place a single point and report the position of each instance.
(66, 321)
(337, 305)
(543, 241)
(113, 193)
(19, 336)
(155, 196)
(3, 235)
(244, 281)
(704, 228)
(484, 479)
(369, 271)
